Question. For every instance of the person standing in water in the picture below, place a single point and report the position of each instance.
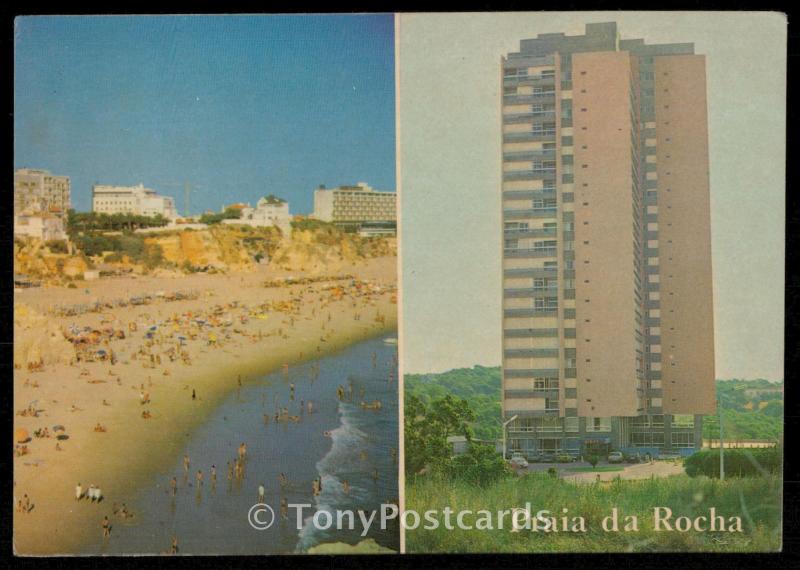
(174, 485)
(174, 548)
(106, 527)
(186, 463)
(213, 475)
(261, 492)
(284, 509)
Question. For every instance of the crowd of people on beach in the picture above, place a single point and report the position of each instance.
(154, 340)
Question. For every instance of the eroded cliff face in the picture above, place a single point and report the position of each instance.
(326, 250)
(38, 341)
(223, 248)
(33, 258)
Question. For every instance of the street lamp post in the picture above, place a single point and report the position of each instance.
(505, 423)
(721, 443)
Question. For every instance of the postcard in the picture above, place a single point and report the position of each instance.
(398, 283)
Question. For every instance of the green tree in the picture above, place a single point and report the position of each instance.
(427, 428)
(480, 466)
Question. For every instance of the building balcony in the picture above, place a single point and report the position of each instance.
(534, 414)
(533, 174)
(529, 194)
(533, 136)
(529, 117)
(531, 252)
(530, 155)
(531, 213)
(537, 80)
(531, 292)
(543, 393)
(530, 313)
(530, 233)
(529, 98)
(531, 353)
(535, 272)
(530, 373)
(530, 333)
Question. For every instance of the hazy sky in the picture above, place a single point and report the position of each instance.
(241, 106)
(450, 150)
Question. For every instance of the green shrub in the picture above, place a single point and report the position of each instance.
(480, 466)
(57, 245)
(738, 462)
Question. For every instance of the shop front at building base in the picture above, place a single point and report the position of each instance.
(643, 436)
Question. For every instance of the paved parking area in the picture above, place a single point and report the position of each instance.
(629, 470)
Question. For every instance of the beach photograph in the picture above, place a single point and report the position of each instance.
(593, 359)
(205, 285)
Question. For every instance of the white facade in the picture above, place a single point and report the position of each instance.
(41, 226)
(132, 200)
(269, 211)
(354, 204)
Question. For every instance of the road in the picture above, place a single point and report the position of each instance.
(629, 471)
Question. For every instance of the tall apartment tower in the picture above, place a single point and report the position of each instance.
(608, 337)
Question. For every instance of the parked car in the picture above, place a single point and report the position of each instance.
(615, 457)
(546, 457)
(518, 460)
(564, 458)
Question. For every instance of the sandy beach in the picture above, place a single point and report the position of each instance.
(231, 326)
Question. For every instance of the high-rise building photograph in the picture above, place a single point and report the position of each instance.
(604, 307)
(608, 336)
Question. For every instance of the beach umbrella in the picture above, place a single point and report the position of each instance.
(59, 427)
(21, 435)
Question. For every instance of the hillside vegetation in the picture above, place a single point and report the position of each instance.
(745, 415)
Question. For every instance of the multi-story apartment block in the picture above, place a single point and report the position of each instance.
(39, 191)
(132, 200)
(608, 339)
(354, 206)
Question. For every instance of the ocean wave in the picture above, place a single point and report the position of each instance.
(349, 441)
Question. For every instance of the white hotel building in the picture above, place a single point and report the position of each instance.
(131, 200)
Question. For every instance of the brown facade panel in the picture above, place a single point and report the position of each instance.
(687, 320)
(604, 229)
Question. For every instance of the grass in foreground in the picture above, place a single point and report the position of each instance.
(757, 500)
(604, 469)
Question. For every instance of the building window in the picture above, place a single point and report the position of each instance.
(546, 304)
(545, 383)
(683, 421)
(683, 440)
(571, 425)
(598, 424)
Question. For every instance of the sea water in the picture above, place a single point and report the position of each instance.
(341, 440)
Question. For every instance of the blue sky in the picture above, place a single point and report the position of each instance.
(239, 106)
